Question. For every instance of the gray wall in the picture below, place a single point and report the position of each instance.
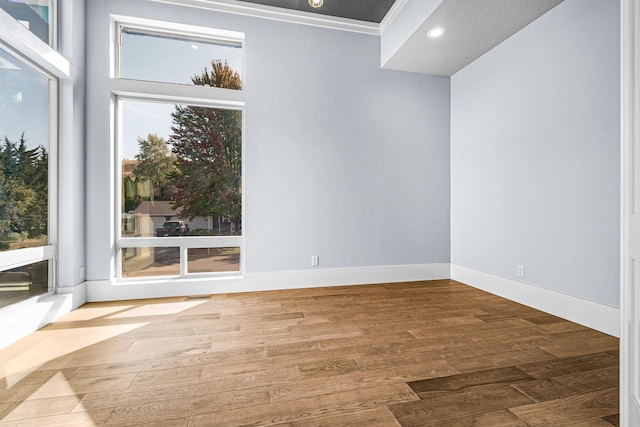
(535, 154)
(343, 160)
(71, 220)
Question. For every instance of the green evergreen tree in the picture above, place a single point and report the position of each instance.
(131, 198)
(24, 192)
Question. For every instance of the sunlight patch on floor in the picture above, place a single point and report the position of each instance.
(160, 309)
(48, 345)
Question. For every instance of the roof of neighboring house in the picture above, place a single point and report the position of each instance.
(156, 208)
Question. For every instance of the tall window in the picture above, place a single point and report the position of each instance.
(179, 133)
(26, 95)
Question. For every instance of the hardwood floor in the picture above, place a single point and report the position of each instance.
(435, 353)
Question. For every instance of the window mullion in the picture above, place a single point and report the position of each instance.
(183, 241)
(181, 94)
(184, 260)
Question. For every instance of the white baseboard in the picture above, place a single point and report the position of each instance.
(20, 319)
(106, 290)
(346, 276)
(594, 315)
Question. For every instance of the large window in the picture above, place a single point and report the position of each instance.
(27, 95)
(179, 150)
(24, 154)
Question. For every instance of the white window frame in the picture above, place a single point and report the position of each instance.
(53, 24)
(210, 97)
(42, 58)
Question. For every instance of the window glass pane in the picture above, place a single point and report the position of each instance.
(144, 262)
(181, 170)
(139, 59)
(213, 260)
(24, 154)
(24, 282)
(35, 15)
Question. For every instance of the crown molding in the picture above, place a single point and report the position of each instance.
(280, 14)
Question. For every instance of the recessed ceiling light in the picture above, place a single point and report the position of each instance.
(435, 32)
(316, 3)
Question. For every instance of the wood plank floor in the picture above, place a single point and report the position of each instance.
(435, 353)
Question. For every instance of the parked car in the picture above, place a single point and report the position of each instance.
(172, 228)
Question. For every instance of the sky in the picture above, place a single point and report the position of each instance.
(139, 119)
(24, 102)
(24, 93)
(179, 61)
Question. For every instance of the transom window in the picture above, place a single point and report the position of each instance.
(179, 150)
(190, 55)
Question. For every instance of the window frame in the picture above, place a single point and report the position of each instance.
(156, 27)
(53, 24)
(40, 57)
(173, 93)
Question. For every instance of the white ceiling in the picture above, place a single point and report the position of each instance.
(473, 27)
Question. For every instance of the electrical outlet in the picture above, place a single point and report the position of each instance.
(520, 271)
(315, 261)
